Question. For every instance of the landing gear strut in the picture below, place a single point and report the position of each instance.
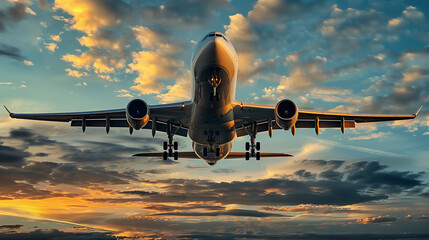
(252, 147)
(170, 145)
(211, 149)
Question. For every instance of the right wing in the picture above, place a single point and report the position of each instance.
(177, 113)
(245, 114)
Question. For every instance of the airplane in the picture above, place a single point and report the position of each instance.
(212, 118)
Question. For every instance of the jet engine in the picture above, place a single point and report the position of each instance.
(137, 113)
(286, 113)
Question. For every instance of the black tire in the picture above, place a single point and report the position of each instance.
(258, 156)
(217, 152)
(258, 146)
(247, 155)
(165, 146)
(176, 155)
(205, 152)
(164, 155)
(247, 146)
(176, 146)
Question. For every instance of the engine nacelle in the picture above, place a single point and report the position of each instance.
(137, 113)
(286, 114)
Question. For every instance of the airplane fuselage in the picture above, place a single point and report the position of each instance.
(214, 78)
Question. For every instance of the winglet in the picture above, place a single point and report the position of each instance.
(10, 114)
(415, 114)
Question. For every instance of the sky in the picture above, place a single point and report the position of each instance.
(339, 56)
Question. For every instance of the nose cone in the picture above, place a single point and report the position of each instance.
(215, 51)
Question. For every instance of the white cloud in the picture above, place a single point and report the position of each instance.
(51, 46)
(75, 73)
(29, 63)
(55, 38)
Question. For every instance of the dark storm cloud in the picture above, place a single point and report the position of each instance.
(309, 236)
(359, 182)
(55, 234)
(10, 51)
(323, 164)
(370, 174)
(331, 175)
(169, 208)
(30, 138)
(302, 173)
(223, 170)
(254, 192)
(10, 156)
(15, 226)
(232, 212)
(379, 219)
(11, 14)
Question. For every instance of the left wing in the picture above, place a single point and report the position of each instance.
(245, 114)
(177, 113)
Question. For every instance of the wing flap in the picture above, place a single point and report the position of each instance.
(263, 126)
(160, 126)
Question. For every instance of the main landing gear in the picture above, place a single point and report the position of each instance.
(252, 147)
(170, 145)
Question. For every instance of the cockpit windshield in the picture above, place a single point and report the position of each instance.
(214, 34)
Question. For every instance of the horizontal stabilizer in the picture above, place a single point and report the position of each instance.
(231, 155)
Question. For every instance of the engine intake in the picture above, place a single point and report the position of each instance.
(286, 114)
(137, 113)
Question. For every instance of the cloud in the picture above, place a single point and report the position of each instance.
(232, 212)
(75, 73)
(157, 62)
(10, 51)
(184, 14)
(277, 10)
(51, 46)
(53, 234)
(15, 226)
(413, 13)
(303, 76)
(55, 38)
(379, 219)
(28, 63)
(89, 17)
(44, 4)
(347, 29)
(12, 14)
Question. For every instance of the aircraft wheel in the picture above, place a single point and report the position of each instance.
(165, 146)
(164, 155)
(247, 155)
(258, 146)
(258, 156)
(176, 155)
(176, 146)
(247, 146)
